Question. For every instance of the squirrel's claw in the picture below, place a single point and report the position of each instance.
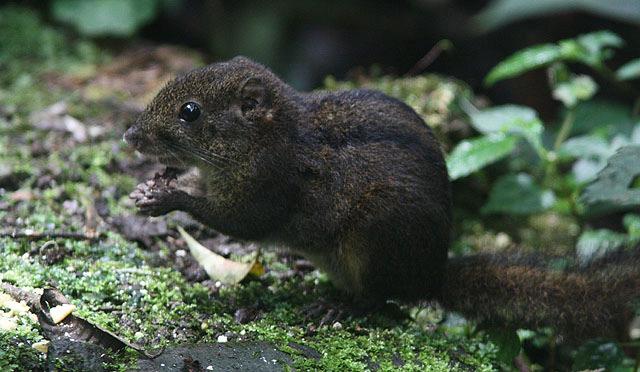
(152, 200)
(325, 313)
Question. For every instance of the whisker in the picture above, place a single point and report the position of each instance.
(191, 151)
(198, 155)
(207, 154)
(173, 154)
(210, 155)
(213, 159)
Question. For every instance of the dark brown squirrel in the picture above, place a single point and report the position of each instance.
(356, 182)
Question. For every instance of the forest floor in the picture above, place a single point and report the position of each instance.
(69, 233)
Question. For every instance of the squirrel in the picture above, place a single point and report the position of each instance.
(356, 182)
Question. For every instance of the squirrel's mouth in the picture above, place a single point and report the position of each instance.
(164, 155)
(163, 150)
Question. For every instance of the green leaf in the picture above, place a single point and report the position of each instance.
(511, 119)
(632, 224)
(474, 154)
(586, 170)
(595, 47)
(599, 40)
(634, 138)
(592, 153)
(587, 146)
(630, 70)
(593, 244)
(611, 191)
(591, 49)
(517, 194)
(523, 61)
(595, 354)
(502, 118)
(105, 17)
(606, 118)
(507, 341)
(578, 88)
(501, 12)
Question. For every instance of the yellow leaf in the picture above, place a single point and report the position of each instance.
(218, 267)
(60, 312)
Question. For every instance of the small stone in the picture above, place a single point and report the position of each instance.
(222, 339)
(503, 240)
(71, 206)
(337, 326)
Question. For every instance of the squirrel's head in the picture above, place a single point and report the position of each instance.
(223, 114)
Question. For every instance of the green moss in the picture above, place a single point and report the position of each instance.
(16, 353)
(29, 50)
(437, 99)
(27, 42)
(147, 301)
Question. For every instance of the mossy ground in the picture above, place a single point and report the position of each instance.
(51, 182)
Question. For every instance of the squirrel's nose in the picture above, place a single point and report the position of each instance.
(132, 136)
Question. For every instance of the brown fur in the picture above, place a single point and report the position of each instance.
(356, 182)
(580, 302)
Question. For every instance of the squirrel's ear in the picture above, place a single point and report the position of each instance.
(254, 94)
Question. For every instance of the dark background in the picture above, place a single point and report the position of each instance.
(305, 40)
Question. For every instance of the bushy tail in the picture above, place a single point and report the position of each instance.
(593, 301)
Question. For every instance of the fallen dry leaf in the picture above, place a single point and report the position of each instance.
(21, 195)
(9, 303)
(55, 117)
(7, 324)
(41, 346)
(60, 312)
(218, 267)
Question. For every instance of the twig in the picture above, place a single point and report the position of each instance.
(49, 235)
(552, 352)
(46, 245)
(565, 129)
(431, 56)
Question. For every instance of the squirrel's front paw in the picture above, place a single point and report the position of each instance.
(156, 198)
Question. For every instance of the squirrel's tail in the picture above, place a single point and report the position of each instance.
(528, 293)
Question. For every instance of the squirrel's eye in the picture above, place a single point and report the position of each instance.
(189, 112)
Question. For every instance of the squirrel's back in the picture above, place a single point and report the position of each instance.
(376, 201)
